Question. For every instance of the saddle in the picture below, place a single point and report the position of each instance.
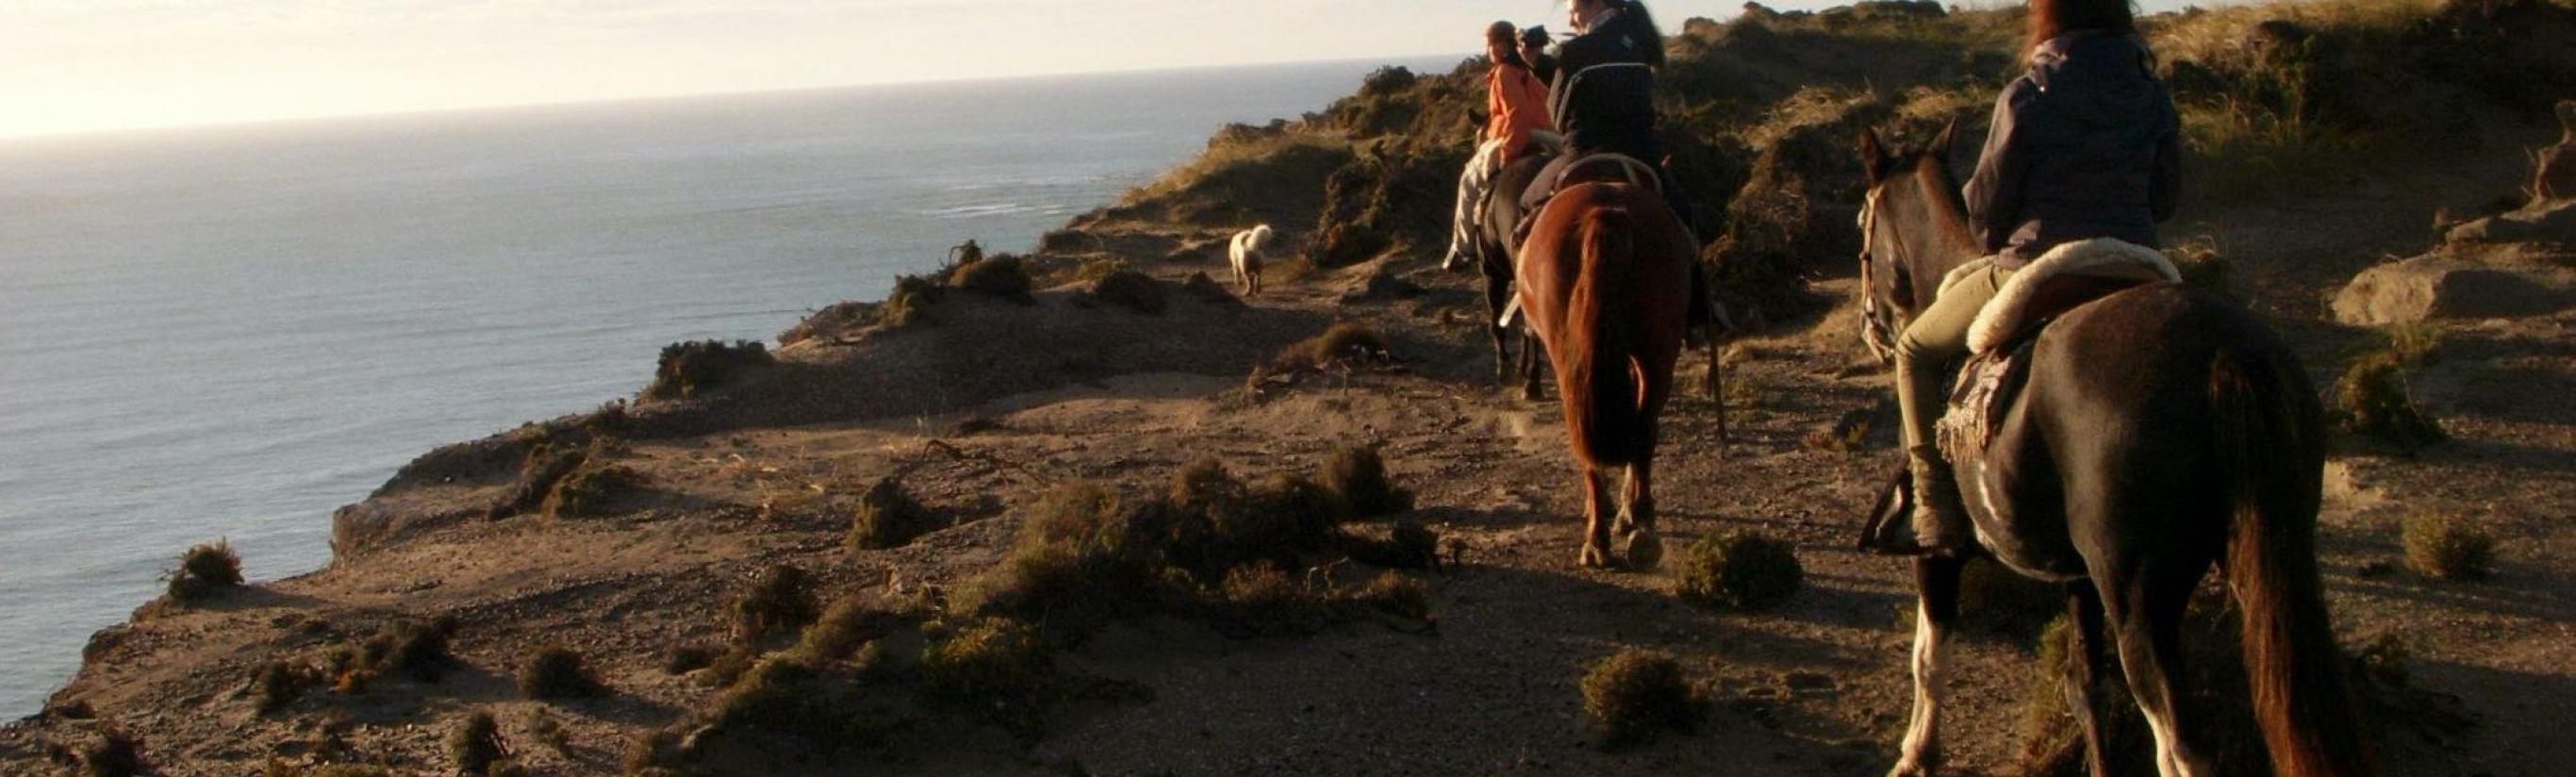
(1589, 168)
(2068, 277)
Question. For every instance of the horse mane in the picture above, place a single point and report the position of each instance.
(1949, 207)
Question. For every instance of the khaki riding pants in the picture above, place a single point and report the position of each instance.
(1933, 345)
(1473, 183)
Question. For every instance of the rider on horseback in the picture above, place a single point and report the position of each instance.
(1516, 102)
(1601, 93)
(2084, 145)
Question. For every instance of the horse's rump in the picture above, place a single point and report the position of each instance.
(1604, 280)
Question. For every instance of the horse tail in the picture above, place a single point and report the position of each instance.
(1602, 307)
(2271, 457)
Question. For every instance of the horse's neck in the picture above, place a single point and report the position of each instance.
(1944, 241)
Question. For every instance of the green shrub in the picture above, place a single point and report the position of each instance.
(1357, 477)
(780, 602)
(889, 517)
(556, 672)
(1132, 290)
(2371, 400)
(1637, 692)
(1740, 569)
(1082, 558)
(475, 744)
(204, 570)
(2448, 547)
(690, 369)
(1003, 277)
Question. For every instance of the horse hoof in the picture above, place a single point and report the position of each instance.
(1645, 551)
(1593, 557)
(1910, 769)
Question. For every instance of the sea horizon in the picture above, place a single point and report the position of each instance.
(233, 329)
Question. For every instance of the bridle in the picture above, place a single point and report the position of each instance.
(1875, 331)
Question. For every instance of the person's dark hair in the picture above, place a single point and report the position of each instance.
(1535, 37)
(1652, 38)
(1504, 36)
(2053, 18)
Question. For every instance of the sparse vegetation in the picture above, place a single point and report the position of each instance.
(1636, 693)
(990, 665)
(1394, 593)
(1739, 569)
(205, 570)
(556, 672)
(648, 753)
(1356, 476)
(688, 658)
(889, 517)
(592, 489)
(691, 369)
(2371, 399)
(475, 744)
(1132, 290)
(1001, 277)
(2448, 547)
(848, 624)
(276, 684)
(780, 602)
(1344, 343)
(114, 754)
(2415, 345)
(910, 300)
(417, 650)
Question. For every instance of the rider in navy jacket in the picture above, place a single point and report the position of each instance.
(2086, 144)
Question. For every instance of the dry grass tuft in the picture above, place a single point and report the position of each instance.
(2371, 399)
(591, 489)
(205, 570)
(1741, 569)
(2448, 547)
(1132, 290)
(780, 603)
(475, 744)
(1393, 593)
(418, 650)
(1347, 343)
(851, 622)
(650, 753)
(114, 754)
(1001, 277)
(1357, 477)
(889, 517)
(693, 368)
(993, 666)
(556, 672)
(276, 684)
(909, 301)
(1636, 693)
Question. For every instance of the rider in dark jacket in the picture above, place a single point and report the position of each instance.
(2085, 145)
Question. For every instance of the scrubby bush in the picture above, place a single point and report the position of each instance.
(1346, 342)
(1407, 545)
(1637, 692)
(416, 649)
(689, 658)
(650, 752)
(556, 672)
(2448, 547)
(2371, 400)
(690, 369)
(475, 744)
(993, 666)
(1004, 277)
(1394, 593)
(910, 300)
(889, 517)
(2203, 266)
(1357, 477)
(850, 622)
(1740, 569)
(114, 754)
(276, 684)
(780, 602)
(591, 488)
(1267, 599)
(1131, 290)
(1387, 80)
(204, 570)
(2416, 344)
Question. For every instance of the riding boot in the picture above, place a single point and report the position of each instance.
(1941, 526)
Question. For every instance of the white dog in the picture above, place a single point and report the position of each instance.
(1246, 254)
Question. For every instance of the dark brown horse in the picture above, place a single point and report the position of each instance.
(1604, 282)
(1495, 260)
(2164, 430)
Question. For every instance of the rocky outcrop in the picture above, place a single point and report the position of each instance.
(2448, 287)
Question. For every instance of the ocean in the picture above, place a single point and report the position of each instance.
(227, 332)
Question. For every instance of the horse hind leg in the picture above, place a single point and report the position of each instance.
(1936, 583)
(1596, 529)
(2083, 669)
(2145, 613)
(1637, 517)
(1530, 390)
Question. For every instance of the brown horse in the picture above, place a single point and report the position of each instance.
(2163, 430)
(1604, 280)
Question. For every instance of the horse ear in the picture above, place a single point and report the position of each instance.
(1941, 142)
(1873, 154)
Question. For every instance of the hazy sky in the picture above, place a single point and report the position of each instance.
(76, 65)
